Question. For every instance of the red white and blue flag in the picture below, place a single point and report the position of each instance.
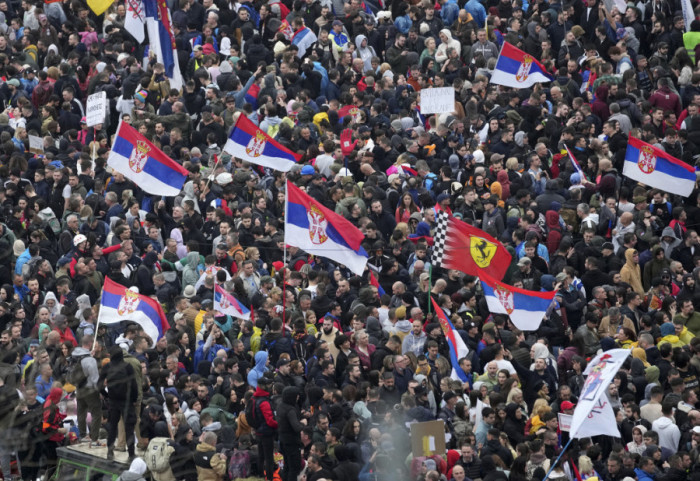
(525, 308)
(135, 157)
(458, 349)
(249, 143)
(225, 303)
(318, 230)
(120, 303)
(162, 39)
(303, 39)
(350, 110)
(653, 167)
(577, 166)
(518, 69)
(373, 280)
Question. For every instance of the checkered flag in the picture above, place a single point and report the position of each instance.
(440, 238)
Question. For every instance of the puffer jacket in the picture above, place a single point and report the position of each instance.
(211, 466)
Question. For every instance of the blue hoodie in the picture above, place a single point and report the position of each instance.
(259, 369)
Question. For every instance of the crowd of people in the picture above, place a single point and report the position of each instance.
(325, 377)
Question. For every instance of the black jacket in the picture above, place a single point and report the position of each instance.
(288, 415)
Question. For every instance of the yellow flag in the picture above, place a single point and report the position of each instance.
(99, 6)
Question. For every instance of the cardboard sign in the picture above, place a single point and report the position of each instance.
(428, 438)
(36, 144)
(96, 109)
(439, 100)
(565, 422)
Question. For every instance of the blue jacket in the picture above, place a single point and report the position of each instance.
(643, 475)
(477, 11)
(259, 369)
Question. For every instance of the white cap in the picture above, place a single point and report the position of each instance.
(79, 239)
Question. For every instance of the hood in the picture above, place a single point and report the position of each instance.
(423, 229)
(547, 282)
(129, 476)
(652, 375)
(218, 401)
(510, 412)
(601, 93)
(359, 40)
(404, 325)
(668, 232)
(541, 351)
(552, 218)
(54, 396)
(502, 177)
(204, 447)
(662, 423)
(637, 367)
(290, 395)
(215, 426)
(138, 466)
(447, 33)
(43, 327)
(79, 351)
(629, 254)
(260, 360)
(373, 325)
(193, 260)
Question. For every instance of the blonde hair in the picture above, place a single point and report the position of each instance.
(585, 465)
(540, 407)
(512, 393)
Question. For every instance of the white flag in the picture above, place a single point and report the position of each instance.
(601, 372)
(135, 20)
(600, 421)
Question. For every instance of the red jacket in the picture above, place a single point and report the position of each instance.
(53, 419)
(667, 100)
(266, 409)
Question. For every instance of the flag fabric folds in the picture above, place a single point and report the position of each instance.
(225, 303)
(577, 166)
(135, 20)
(458, 349)
(120, 303)
(134, 156)
(465, 248)
(373, 280)
(162, 39)
(526, 309)
(303, 39)
(249, 143)
(517, 69)
(653, 167)
(319, 231)
(593, 400)
(99, 6)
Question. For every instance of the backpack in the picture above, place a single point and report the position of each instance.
(253, 413)
(31, 267)
(157, 455)
(75, 373)
(239, 464)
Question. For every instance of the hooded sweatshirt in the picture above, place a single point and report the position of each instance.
(365, 53)
(631, 273)
(217, 410)
(259, 369)
(135, 471)
(669, 434)
(441, 53)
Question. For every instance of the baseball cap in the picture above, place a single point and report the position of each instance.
(567, 405)
(696, 429)
(525, 261)
(337, 22)
(308, 170)
(282, 362)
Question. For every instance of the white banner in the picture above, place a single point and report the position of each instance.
(565, 422)
(600, 421)
(96, 109)
(688, 14)
(600, 371)
(36, 144)
(439, 100)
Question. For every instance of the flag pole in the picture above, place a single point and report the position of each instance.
(97, 324)
(551, 468)
(430, 287)
(216, 163)
(284, 260)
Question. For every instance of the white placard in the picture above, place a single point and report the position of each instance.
(36, 144)
(96, 109)
(439, 100)
(565, 422)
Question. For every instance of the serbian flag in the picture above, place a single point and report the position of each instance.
(525, 308)
(653, 167)
(134, 156)
(252, 95)
(319, 231)
(350, 110)
(574, 162)
(120, 303)
(465, 248)
(303, 39)
(249, 143)
(373, 280)
(135, 20)
(517, 69)
(210, 271)
(162, 39)
(285, 28)
(458, 349)
(225, 303)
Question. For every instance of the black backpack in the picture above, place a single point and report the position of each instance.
(75, 373)
(253, 413)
